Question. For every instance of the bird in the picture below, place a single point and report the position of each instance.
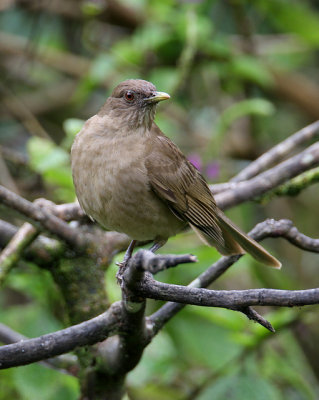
(131, 178)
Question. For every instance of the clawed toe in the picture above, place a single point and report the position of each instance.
(122, 265)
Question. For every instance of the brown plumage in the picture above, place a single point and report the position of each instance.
(131, 178)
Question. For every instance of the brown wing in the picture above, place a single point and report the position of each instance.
(176, 181)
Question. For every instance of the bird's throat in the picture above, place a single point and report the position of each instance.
(142, 118)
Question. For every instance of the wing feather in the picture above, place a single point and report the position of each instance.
(177, 182)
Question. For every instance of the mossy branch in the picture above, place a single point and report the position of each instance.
(294, 186)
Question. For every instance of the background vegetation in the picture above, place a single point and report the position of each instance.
(243, 76)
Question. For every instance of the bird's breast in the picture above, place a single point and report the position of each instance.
(112, 186)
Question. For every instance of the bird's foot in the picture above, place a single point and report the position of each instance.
(123, 264)
(119, 275)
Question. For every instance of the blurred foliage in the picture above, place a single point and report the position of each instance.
(225, 64)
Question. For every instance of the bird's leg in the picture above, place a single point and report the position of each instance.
(129, 251)
(127, 256)
(157, 245)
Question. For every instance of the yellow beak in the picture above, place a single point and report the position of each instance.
(157, 96)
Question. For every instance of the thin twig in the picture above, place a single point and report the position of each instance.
(278, 152)
(20, 110)
(14, 249)
(42, 251)
(254, 316)
(269, 179)
(144, 260)
(5, 175)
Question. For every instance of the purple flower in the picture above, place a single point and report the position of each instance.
(212, 170)
(195, 159)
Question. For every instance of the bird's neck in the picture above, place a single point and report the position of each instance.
(109, 127)
(130, 118)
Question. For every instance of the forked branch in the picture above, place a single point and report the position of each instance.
(111, 322)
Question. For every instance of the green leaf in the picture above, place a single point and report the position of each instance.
(72, 126)
(126, 53)
(290, 368)
(197, 340)
(151, 36)
(60, 176)
(239, 387)
(251, 69)
(164, 77)
(92, 8)
(255, 106)
(53, 163)
(102, 67)
(293, 16)
(45, 155)
(225, 318)
(35, 382)
(159, 360)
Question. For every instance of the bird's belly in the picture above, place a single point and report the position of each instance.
(140, 215)
(118, 197)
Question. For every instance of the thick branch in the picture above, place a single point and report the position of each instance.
(99, 328)
(122, 353)
(63, 341)
(43, 219)
(147, 261)
(64, 363)
(231, 299)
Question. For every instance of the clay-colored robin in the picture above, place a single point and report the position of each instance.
(131, 178)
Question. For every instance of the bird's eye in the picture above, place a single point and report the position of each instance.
(129, 96)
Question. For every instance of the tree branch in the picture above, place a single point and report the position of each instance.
(111, 322)
(63, 341)
(262, 183)
(231, 299)
(146, 261)
(42, 251)
(278, 152)
(43, 219)
(254, 316)
(65, 363)
(295, 185)
(269, 228)
(14, 249)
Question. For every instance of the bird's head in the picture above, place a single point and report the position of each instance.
(134, 101)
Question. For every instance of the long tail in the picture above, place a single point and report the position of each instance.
(237, 242)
